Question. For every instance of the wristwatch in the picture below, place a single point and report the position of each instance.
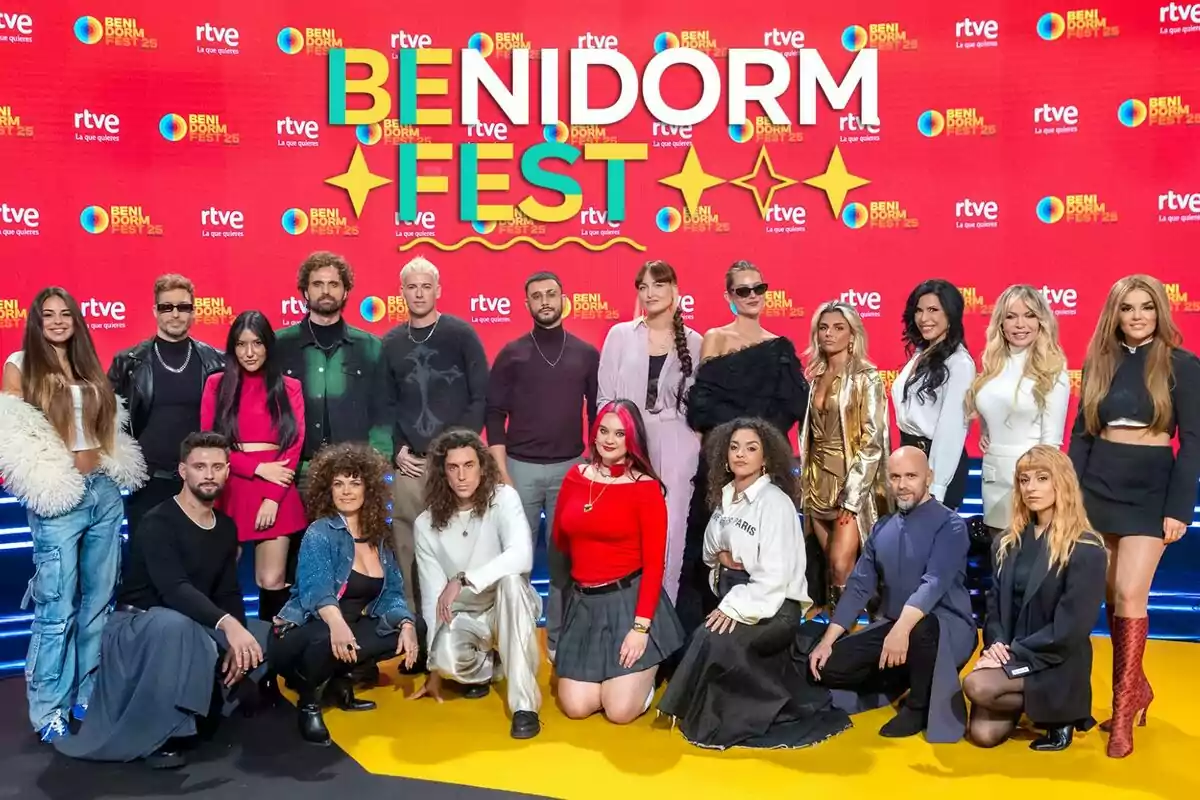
(462, 579)
(640, 628)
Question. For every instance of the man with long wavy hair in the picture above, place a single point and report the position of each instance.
(474, 552)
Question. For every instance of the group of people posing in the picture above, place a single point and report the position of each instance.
(685, 539)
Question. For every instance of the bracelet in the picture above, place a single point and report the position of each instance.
(640, 628)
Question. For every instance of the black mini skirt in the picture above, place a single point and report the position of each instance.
(1125, 487)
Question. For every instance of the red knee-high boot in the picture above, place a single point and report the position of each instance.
(1147, 693)
(1131, 695)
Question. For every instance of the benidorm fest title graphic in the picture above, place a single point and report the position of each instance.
(421, 78)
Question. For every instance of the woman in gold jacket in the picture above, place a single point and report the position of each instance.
(843, 443)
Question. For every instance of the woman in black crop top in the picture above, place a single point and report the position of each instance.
(1047, 586)
(1140, 389)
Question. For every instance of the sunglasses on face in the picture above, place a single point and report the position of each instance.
(182, 308)
(746, 291)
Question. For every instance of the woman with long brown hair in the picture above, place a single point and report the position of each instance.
(843, 440)
(650, 361)
(1140, 389)
(64, 454)
(1044, 600)
(347, 606)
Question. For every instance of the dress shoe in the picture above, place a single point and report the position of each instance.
(476, 691)
(341, 692)
(165, 757)
(525, 725)
(1055, 739)
(907, 722)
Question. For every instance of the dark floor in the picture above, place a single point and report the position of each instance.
(259, 758)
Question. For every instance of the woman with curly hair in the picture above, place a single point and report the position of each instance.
(1045, 596)
(347, 605)
(738, 684)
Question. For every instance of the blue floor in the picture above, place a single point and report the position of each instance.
(1174, 601)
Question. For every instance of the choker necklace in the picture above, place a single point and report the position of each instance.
(358, 540)
(615, 471)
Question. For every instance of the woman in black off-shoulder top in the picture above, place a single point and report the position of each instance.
(1140, 390)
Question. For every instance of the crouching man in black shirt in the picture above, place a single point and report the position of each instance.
(179, 622)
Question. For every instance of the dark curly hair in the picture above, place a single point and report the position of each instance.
(662, 271)
(777, 458)
(439, 497)
(320, 260)
(355, 461)
(931, 371)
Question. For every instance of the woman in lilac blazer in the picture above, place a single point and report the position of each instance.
(650, 360)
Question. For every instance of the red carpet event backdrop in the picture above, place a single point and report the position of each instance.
(1053, 143)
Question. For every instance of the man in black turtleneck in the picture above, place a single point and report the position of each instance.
(161, 380)
(538, 390)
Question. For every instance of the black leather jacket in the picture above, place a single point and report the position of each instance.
(132, 377)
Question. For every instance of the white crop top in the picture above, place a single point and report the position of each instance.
(80, 439)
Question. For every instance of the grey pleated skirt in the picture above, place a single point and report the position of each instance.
(595, 625)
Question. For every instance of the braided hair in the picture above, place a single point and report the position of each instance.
(662, 271)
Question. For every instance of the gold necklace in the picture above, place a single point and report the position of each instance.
(587, 507)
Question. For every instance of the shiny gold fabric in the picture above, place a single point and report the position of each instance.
(825, 466)
(863, 409)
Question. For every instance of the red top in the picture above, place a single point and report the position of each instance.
(254, 425)
(625, 530)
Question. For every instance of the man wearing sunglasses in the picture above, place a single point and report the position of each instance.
(161, 381)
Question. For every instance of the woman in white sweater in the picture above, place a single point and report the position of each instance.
(1020, 397)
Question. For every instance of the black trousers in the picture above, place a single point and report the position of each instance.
(162, 486)
(304, 652)
(854, 663)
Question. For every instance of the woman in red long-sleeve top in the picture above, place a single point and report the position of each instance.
(261, 412)
(618, 623)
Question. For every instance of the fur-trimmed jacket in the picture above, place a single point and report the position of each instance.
(39, 470)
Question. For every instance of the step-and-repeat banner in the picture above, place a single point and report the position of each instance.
(1051, 143)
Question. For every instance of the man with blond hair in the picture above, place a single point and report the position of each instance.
(161, 381)
(436, 373)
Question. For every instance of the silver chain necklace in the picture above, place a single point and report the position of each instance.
(561, 350)
(168, 367)
(432, 328)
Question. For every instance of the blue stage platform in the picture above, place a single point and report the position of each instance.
(1174, 602)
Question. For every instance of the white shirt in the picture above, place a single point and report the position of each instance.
(763, 532)
(486, 549)
(80, 440)
(943, 421)
(1010, 414)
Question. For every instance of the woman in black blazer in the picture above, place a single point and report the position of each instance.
(1047, 587)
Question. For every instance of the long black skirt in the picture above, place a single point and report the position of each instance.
(748, 688)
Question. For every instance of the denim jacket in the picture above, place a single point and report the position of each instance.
(324, 566)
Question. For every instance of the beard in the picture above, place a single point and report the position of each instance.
(541, 321)
(326, 304)
(205, 492)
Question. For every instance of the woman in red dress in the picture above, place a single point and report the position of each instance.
(261, 412)
(618, 623)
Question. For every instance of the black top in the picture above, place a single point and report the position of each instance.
(437, 378)
(536, 410)
(175, 405)
(656, 365)
(1128, 398)
(175, 563)
(1023, 561)
(764, 380)
(361, 591)
(327, 338)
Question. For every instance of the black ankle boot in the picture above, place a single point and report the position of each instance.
(311, 721)
(907, 722)
(1057, 738)
(341, 692)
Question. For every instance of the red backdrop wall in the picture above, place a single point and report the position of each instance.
(81, 126)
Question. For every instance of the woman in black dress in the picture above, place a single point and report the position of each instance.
(1044, 600)
(745, 371)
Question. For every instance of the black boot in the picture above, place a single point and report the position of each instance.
(312, 723)
(1056, 738)
(907, 722)
(341, 691)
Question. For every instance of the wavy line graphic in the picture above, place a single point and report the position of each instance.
(544, 246)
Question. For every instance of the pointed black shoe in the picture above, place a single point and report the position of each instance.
(907, 722)
(1055, 739)
(341, 692)
(525, 725)
(309, 717)
(476, 691)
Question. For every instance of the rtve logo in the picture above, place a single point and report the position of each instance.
(90, 121)
(214, 34)
(852, 123)
(1174, 201)
(11, 215)
(778, 38)
(20, 23)
(293, 307)
(671, 131)
(426, 220)
(863, 302)
(598, 41)
(103, 309)
(403, 40)
(968, 28)
(1061, 301)
(214, 217)
(970, 209)
(482, 304)
(792, 214)
(1172, 12)
(298, 127)
(596, 217)
(1055, 115)
(495, 131)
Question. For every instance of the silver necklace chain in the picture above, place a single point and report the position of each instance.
(168, 367)
(432, 328)
(561, 349)
(317, 341)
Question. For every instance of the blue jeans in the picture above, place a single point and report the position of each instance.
(76, 557)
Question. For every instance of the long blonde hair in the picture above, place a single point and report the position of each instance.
(1069, 526)
(1046, 360)
(1104, 351)
(817, 360)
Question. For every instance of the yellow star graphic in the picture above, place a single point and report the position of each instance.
(358, 180)
(836, 182)
(691, 181)
(747, 181)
